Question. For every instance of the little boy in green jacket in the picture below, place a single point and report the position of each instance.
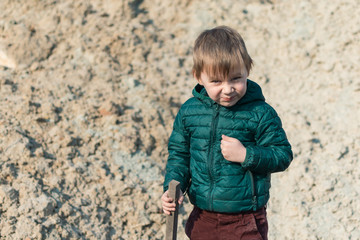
(226, 141)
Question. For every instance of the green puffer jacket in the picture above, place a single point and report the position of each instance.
(195, 158)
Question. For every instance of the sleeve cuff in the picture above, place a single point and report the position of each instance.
(250, 159)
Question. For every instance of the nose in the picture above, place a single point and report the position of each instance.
(228, 88)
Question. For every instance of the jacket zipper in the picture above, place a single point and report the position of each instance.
(254, 198)
(211, 155)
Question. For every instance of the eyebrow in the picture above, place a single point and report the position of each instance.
(238, 74)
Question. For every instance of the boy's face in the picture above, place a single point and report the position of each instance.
(225, 91)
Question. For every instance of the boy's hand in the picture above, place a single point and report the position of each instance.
(168, 204)
(232, 149)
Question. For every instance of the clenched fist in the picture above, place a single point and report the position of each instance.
(232, 149)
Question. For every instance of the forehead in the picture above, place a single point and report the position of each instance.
(223, 72)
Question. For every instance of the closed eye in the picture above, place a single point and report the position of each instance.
(215, 81)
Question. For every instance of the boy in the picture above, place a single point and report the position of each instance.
(226, 141)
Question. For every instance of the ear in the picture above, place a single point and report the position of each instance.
(246, 73)
(198, 79)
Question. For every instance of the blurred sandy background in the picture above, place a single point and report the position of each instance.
(89, 91)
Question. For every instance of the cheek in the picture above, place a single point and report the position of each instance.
(213, 89)
(214, 93)
(243, 88)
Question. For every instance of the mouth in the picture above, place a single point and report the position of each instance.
(227, 99)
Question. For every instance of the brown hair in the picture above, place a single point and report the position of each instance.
(218, 50)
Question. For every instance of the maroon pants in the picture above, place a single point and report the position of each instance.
(219, 226)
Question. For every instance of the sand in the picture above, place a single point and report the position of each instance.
(89, 91)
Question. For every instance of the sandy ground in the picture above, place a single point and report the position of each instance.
(89, 91)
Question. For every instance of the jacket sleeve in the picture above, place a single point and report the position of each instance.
(178, 163)
(272, 152)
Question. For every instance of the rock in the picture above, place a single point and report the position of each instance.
(8, 194)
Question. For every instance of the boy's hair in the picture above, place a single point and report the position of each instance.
(218, 50)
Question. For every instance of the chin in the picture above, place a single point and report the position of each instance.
(227, 104)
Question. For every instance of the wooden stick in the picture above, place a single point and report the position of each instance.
(172, 220)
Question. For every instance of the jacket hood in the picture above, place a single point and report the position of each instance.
(253, 93)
